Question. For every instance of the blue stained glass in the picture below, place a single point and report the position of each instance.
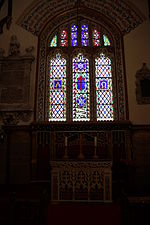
(81, 83)
(80, 66)
(81, 101)
(81, 92)
(74, 36)
(57, 84)
(57, 91)
(103, 84)
(85, 35)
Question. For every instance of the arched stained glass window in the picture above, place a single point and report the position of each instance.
(89, 88)
(96, 38)
(74, 35)
(81, 89)
(106, 40)
(63, 37)
(85, 35)
(54, 42)
(104, 94)
(57, 94)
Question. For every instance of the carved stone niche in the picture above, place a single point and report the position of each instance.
(143, 85)
(15, 73)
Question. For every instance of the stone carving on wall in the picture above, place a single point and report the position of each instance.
(122, 13)
(14, 117)
(15, 73)
(119, 84)
(143, 85)
(14, 47)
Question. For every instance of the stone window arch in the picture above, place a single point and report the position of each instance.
(82, 89)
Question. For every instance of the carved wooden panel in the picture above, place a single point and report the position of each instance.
(88, 181)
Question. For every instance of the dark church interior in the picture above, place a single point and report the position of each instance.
(74, 112)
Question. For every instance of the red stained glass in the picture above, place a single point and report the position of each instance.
(63, 37)
(96, 38)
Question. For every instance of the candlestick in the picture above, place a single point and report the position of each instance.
(66, 141)
(95, 141)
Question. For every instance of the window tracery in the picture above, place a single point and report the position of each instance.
(88, 86)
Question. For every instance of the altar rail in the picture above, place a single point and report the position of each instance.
(81, 181)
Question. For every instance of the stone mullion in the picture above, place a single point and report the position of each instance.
(93, 90)
(69, 88)
(91, 85)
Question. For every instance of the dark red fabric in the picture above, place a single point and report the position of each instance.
(84, 214)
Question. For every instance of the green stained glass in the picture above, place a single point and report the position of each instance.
(54, 42)
(104, 94)
(57, 93)
(106, 40)
(81, 89)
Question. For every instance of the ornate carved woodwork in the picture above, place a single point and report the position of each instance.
(84, 181)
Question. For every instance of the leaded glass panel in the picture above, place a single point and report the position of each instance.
(74, 35)
(106, 40)
(57, 94)
(63, 37)
(81, 89)
(54, 42)
(104, 94)
(85, 35)
(96, 38)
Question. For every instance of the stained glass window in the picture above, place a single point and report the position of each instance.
(104, 95)
(74, 35)
(96, 38)
(106, 40)
(81, 89)
(57, 95)
(85, 35)
(82, 72)
(54, 42)
(63, 37)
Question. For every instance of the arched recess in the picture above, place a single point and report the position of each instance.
(114, 52)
